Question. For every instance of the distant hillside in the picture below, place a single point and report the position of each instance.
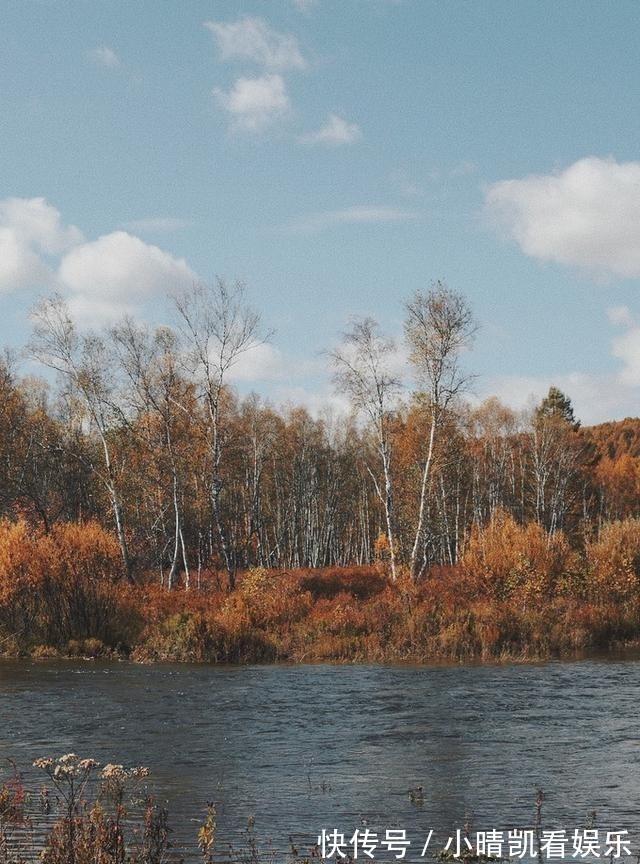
(616, 438)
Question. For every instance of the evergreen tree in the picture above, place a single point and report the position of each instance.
(557, 405)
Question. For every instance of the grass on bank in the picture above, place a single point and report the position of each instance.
(85, 813)
(516, 593)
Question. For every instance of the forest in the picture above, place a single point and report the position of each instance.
(148, 510)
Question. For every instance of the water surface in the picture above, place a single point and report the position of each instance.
(299, 748)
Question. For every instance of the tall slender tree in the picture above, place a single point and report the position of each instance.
(438, 327)
(84, 362)
(218, 327)
(363, 368)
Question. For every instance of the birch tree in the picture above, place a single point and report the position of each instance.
(219, 326)
(84, 362)
(363, 369)
(438, 327)
(158, 392)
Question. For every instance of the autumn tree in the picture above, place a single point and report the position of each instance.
(498, 461)
(84, 363)
(556, 460)
(363, 369)
(218, 327)
(619, 484)
(160, 397)
(438, 327)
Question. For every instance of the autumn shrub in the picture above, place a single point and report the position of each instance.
(517, 592)
(387, 615)
(613, 563)
(212, 638)
(601, 626)
(13, 798)
(106, 815)
(338, 616)
(92, 648)
(44, 652)
(61, 586)
(158, 604)
(508, 560)
(457, 617)
(92, 821)
(273, 597)
(179, 637)
(28, 573)
(361, 582)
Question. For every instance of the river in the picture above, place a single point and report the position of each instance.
(301, 748)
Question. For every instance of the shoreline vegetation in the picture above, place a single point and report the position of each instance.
(85, 813)
(82, 812)
(148, 511)
(516, 594)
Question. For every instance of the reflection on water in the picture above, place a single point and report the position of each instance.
(305, 747)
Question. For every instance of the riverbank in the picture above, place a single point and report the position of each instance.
(516, 594)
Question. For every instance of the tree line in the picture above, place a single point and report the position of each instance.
(143, 432)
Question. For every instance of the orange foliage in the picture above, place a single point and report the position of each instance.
(20, 559)
(59, 586)
(613, 574)
(616, 437)
(520, 561)
(620, 481)
(359, 582)
(517, 593)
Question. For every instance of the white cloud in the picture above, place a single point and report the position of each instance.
(100, 278)
(517, 391)
(91, 311)
(156, 225)
(254, 102)
(102, 55)
(320, 402)
(627, 348)
(38, 223)
(289, 381)
(463, 169)
(626, 345)
(336, 130)
(595, 397)
(113, 274)
(586, 216)
(20, 266)
(253, 39)
(366, 214)
(31, 231)
(261, 362)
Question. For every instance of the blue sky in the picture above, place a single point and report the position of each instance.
(336, 155)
